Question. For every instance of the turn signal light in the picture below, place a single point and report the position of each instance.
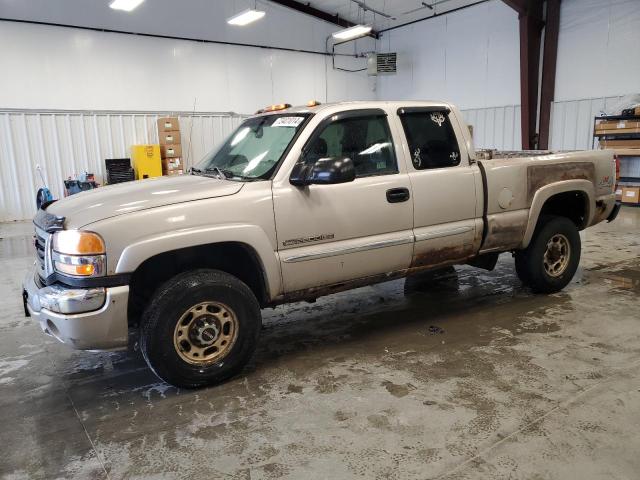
(82, 270)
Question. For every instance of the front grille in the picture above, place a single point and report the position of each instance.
(40, 243)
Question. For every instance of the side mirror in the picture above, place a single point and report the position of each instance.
(326, 171)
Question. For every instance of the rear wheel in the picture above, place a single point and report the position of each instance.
(200, 328)
(550, 261)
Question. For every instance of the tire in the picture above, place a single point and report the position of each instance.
(207, 314)
(550, 261)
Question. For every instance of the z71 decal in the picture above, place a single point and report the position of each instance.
(606, 181)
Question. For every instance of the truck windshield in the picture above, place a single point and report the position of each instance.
(254, 149)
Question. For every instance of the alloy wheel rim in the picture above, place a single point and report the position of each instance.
(205, 333)
(557, 255)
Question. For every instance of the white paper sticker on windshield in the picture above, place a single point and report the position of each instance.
(288, 122)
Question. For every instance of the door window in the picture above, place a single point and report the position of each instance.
(432, 141)
(366, 140)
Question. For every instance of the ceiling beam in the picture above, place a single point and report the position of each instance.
(307, 9)
(519, 6)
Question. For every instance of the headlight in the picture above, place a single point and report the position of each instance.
(79, 254)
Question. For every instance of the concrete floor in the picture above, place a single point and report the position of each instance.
(470, 376)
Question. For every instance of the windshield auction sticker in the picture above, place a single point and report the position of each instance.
(288, 122)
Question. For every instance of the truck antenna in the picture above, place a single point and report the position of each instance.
(193, 114)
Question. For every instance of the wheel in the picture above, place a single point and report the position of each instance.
(548, 264)
(200, 328)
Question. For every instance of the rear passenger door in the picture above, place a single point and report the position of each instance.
(447, 225)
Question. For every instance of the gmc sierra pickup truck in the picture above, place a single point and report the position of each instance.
(296, 204)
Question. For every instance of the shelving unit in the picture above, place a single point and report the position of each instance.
(623, 138)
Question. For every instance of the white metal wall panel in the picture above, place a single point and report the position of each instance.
(67, 143)
(495, 127)
(572, 122)
(469, 57)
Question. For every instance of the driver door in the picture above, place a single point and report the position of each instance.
(332, 234)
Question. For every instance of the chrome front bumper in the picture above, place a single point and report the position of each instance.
(84, 318)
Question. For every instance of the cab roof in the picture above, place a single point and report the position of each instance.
(355, 105)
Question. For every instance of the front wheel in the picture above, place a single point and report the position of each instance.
(200, 328)
(550, 261)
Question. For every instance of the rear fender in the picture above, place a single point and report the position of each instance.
(545, 193)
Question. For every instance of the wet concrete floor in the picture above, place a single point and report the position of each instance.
(464, 376)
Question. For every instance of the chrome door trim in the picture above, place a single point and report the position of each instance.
(443, 233)
(346, 250)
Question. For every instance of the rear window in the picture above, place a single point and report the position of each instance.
(432, 141)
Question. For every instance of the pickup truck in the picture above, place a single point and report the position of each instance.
(301, 202)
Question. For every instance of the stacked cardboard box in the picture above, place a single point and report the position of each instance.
(630, 195)
(170, 146)
(619, 133)
(622, 134)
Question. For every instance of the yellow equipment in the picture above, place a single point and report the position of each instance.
(146, 161)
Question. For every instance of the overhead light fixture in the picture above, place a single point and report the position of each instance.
(246, 17)
(126, 5)
(352, 32)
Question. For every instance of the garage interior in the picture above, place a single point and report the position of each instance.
(455, 373)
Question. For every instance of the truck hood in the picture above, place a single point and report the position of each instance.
(113, 200)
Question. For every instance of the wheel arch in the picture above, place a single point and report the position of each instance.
(235, 258)
(571, 198)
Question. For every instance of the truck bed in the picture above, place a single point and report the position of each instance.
(516, 184)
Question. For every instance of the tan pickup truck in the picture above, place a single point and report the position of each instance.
(299, 203)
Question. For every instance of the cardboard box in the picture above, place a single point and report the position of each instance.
(630, 194)
(618, 131)
(172, 151)
(174, 172)
(172, 164)
(619, 193)
(173, 138)
(619, 143)
(616, 124)
(168, 124)
(145, 160)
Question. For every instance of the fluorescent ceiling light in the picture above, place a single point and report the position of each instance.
(352, 32)
(246, 17)
(126, 5)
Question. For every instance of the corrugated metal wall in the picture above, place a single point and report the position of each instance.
(64, 143)
(572, 122)
(495, 127)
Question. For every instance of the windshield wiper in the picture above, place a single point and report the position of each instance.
(222, 174)
(225, 174)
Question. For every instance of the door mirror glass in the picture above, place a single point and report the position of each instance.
(325, 171)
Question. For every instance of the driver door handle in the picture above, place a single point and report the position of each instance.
(397, 195)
